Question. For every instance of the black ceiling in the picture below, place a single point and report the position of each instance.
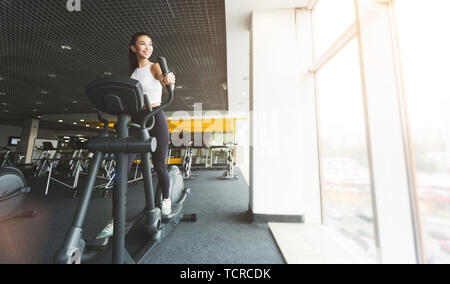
(38, 76)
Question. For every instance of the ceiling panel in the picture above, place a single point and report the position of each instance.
(38, 76)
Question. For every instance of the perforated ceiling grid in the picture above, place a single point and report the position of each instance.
(38, 76)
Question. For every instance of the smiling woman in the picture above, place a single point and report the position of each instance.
(152, 82)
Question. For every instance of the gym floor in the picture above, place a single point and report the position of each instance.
(223, 233)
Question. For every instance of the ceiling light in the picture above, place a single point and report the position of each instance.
(107, 73)
(51, 75)
(2, 78)
(38, 103)
(66, 47)
(4, 104)
(179, 87)
(87, 125)
(74, 123)
(60, 121)
(44, 92)
(81, 120)
(74, 102)
(188, 98)
(35, 110)
(2, 94)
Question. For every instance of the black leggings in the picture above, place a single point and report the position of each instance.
(161, 132)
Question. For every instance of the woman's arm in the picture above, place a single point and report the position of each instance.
(169, 79)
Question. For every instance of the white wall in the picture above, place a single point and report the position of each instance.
(238, 18)
(275, 115)
(283, 168)
(243, 149)
(238, 25)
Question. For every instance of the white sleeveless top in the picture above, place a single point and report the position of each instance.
(151, 87)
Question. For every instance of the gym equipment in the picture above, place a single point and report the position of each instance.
(5, 159)
(10, 158)
(123, 97)
(42, 163)
(13, 190)
(109, 173)
(187, 162)
(229, 174)
(74, 161)
(75, 172)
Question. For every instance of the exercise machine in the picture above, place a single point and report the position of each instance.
(5, 161)
(13, 190)
(123, 97)
(187, 162)
(229, 173)
(10, 158)
(42, 163)
(109, 173)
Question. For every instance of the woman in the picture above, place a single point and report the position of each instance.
(153, 84)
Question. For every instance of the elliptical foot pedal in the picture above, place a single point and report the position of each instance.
(176, 210)
(98, 244)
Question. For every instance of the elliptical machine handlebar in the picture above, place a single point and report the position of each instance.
(100, 117)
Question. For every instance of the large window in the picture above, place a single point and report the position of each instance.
(346, 190)
(332, 18)
(405, 118)
(425, 49)
(346, 185)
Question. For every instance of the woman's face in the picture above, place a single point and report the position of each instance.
(143, 47)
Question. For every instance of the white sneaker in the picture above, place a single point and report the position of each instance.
(166, 206)
(107, 232)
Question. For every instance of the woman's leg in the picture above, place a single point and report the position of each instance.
(159, 157)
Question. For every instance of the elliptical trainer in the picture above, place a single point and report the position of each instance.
(123, 97)
(13, 190)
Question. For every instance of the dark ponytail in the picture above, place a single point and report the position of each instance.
(132, 60)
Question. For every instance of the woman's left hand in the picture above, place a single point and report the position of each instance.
(169, 79)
